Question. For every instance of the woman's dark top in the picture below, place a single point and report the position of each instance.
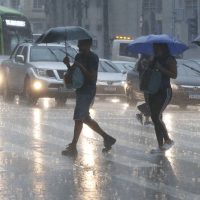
(165, 62)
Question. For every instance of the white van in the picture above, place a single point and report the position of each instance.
(120, 50)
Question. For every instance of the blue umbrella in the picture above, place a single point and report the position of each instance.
(144, 44)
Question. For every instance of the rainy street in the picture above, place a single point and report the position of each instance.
(32, 167)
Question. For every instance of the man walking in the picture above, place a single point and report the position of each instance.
(88, 62)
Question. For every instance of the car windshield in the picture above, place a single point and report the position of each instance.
(189, 68)
(51, 53)
(125, 66)
(107, 66)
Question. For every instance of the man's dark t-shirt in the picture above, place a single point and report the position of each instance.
(90, 62)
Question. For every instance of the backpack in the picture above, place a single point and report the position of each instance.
(74, 78)
(150, 81)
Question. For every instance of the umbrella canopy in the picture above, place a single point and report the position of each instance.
(144, 44)
(197, 41)
(62, 34)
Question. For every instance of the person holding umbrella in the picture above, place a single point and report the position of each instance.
(88, 62)
(156, 79)
(165, 63)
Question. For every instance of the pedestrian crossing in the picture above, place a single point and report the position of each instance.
(38, 136)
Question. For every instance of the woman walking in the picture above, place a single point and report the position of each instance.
(165, 63)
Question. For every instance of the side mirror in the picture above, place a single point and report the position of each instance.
(124, 72)
(19, 59)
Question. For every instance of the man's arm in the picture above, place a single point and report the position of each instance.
(66, 61)
(89, 74)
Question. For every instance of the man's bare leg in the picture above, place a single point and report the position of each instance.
(71, 148)
(95, 127)
(108, 140)
(77, 131)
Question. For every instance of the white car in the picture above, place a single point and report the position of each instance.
(35, 71)
(110, 80)
(124, 66)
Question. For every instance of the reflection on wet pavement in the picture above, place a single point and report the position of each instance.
(32, 167)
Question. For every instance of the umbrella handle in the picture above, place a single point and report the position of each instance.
(75, 62)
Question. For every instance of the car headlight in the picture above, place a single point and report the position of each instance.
(1, 78)
(174, 87)
(124, 84)
(37, 85)
(41, 72)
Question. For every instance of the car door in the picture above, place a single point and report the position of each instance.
(136, 85)
(21, 69)
(133, 83)
(12, 77)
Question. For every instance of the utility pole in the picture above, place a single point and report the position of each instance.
(106, 29)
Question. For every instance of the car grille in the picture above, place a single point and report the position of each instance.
(55, 85)
(50, 73)
(61, 73)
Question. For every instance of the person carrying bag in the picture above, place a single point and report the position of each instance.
(150, 80)
(156, 83)
(73, 78)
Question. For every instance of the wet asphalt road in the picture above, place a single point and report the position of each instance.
(32, 167)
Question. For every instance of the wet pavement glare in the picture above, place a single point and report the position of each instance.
(32, 167)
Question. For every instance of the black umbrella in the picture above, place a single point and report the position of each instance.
(197, 41)
(62, 34)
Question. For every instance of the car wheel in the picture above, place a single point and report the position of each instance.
(28, 94)
(60, 101)
(8, 96)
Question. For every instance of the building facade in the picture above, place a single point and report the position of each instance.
(104, 19)
(107, 18)
(179, 18)
(32, 9)
(85, 13)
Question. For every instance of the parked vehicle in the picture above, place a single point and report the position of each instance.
(2, 58)
(120, 49)
(110, 80)
(14, 28)
(36, 71)
(186, 88)
(36, 36)
(124, 66)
